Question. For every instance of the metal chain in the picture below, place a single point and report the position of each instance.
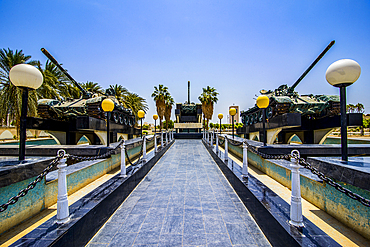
(107, 154)
(234, 143)
(141, 153)
(305, 164)
(22, 193)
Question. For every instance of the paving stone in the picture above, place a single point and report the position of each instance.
(183, 201)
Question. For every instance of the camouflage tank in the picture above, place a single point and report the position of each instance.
(88, 105)
(285, 100)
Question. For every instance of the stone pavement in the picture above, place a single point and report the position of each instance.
(184, 201)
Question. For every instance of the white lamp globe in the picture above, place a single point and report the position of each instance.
(25, 75)
(343, 72)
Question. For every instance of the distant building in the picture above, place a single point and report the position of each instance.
(236, 117)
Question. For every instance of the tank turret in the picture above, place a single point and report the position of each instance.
(88, 105)
(285, 100)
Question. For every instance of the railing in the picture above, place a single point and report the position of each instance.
(60, 162)
(296, 162)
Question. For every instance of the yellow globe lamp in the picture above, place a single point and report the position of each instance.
(155, 117)
(263, 101)
(232, 111)
(141, 114)
(107, 105)
(220, 116)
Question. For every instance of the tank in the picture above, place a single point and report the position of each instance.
(88, 105)
(285, 100)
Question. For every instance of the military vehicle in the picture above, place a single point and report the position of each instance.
(88, 105)
(285, 100)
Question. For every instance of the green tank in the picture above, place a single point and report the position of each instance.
(285, 100)
(88, 105)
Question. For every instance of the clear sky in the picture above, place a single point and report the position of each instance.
(238, 47)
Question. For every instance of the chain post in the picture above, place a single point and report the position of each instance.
(212, 140)
(123, 160)
(245, 161)
(155, 144)
(226, 150)
(144, 149)
(166, 138)
(204, 137)
(216, 143)
(62, 203)
(296, 218)
(172, 135)
(161, 138)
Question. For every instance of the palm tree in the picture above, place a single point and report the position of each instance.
(208, 98)
(134, 102)
(169, 102)
(53, 80)
(359, 108)
(92, 87)
(159, 97)
(10, 95)
(119, 92)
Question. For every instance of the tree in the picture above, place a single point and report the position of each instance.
(350, 108)
(169, 102)
(92, 87)
(119, 92)
(134, 102)
(10, 95)
(359, 108)
(170, 124)
(208, 98)
(159, 97)
(54, 79)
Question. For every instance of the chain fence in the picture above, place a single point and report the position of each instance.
(305, 164)
(62, 154)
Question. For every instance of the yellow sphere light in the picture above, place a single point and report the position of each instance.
(140, 113)
(263, 101)
(107, 105)
(25, 75)
(155, 116)
(232, 111)
(220, 116)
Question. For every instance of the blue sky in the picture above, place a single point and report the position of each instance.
(238, 47)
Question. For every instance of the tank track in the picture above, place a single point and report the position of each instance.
(94, 110)
(44, 112)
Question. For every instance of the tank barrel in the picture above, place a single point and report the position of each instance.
(291, 89)
(52, 59)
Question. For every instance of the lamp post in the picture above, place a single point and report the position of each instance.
(155, 117)
(141, 115)
(232, 112)
(342, 74)
(220, 116)
(107, 105)
(262, 103)
(27, 77)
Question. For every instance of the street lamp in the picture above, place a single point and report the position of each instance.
(343, 73)
(220, 116)
(232, 112)
(141, 115)
(262, 103)
(107, 105)
(155, 117)
(27, 77)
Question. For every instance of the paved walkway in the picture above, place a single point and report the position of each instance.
(184, 201)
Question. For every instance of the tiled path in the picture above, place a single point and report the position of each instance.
(184, 201)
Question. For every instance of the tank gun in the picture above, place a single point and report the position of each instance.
(85, 94)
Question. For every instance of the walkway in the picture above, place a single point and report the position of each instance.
(184, 200)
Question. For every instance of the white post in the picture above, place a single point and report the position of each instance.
(216, 143)
(226, 151)
(296, 218)
(62, 203)
(172, 135)
(207, 137)
(144, 149)
(212, 139)
(245, 160)
(161, 139)
(166, 138)
(155, 144)
(123, 160)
